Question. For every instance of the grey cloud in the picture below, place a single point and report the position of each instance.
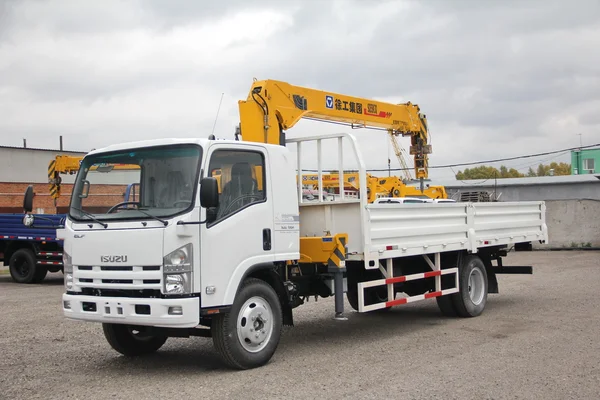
(487, 74)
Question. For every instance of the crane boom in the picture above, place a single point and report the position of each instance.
(61, 165)
(273, 106)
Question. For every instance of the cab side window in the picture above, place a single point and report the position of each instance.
(240, 174)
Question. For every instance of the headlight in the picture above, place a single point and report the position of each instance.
(68, 270)
(177, 271)
(177, 283)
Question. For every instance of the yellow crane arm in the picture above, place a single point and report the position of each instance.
(61, 165)
(69, 165)
(273, 106)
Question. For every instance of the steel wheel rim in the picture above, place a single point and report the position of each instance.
(255, 324)
(476, 286)
(22, 266)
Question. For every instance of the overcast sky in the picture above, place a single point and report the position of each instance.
(495, 78)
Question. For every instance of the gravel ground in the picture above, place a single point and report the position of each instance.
(536, 339)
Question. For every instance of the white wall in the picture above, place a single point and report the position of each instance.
(20, 165)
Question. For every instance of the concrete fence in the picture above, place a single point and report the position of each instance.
(572, 223)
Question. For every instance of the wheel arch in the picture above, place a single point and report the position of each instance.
(267, 272)
(15, 245)
(486, 258)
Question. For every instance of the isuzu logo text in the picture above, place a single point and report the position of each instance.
(106, 259)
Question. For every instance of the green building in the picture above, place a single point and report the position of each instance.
(585, 161)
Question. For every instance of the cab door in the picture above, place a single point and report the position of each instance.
(239, 235)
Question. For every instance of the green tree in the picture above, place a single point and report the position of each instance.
(487, 172)
(554, 168)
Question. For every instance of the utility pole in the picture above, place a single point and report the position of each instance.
(578, 156)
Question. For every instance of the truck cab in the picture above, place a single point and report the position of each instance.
(174, 256)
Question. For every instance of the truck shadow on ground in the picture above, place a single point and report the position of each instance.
(52, 279)
(321, 336)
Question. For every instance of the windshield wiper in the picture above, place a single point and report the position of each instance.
(165, 223)
(91, 216)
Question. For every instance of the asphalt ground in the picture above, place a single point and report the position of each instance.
(538, 339)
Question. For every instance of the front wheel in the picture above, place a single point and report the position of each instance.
(132, 340)
(472, 297)
(248, 335)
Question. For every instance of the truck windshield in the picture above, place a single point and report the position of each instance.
(138, 183)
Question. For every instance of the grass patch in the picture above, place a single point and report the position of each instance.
(4, 271)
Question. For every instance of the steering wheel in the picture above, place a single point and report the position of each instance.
(242, 197)
(137, 203)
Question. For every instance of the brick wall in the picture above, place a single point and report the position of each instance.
(100, 198)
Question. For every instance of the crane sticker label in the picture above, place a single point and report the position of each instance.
(355, 107)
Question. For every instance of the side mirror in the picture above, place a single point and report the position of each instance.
(28, 199)
(28, 220)
(85, 190)
(209, 192)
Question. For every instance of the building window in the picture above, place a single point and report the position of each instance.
(588, 164)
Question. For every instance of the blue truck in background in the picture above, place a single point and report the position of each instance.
(30, 253)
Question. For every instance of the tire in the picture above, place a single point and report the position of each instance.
(446, 306)
(40, 273)
(256, 305)
(372, 296)
(124, 340)
(22, 266)
(470, 301)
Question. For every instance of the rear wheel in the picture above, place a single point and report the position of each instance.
(132, 340)
(22, 266)
(249, 334)
(470, 301)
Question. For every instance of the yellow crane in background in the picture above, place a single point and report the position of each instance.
(274, 106)
(69, 165)
(61, 165)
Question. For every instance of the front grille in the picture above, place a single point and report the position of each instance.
(127, 277)
(119, 268)
(146, 293)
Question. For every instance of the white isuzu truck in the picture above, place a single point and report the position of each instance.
(218, 241)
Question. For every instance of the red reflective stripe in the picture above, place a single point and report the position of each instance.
(395, 280)
(432, 294)
(432, 273)
(396, 302)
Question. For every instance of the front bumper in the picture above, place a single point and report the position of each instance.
(123, 310)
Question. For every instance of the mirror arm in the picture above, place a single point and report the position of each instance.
(46, 226)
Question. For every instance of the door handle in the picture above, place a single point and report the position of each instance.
(266, 239)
